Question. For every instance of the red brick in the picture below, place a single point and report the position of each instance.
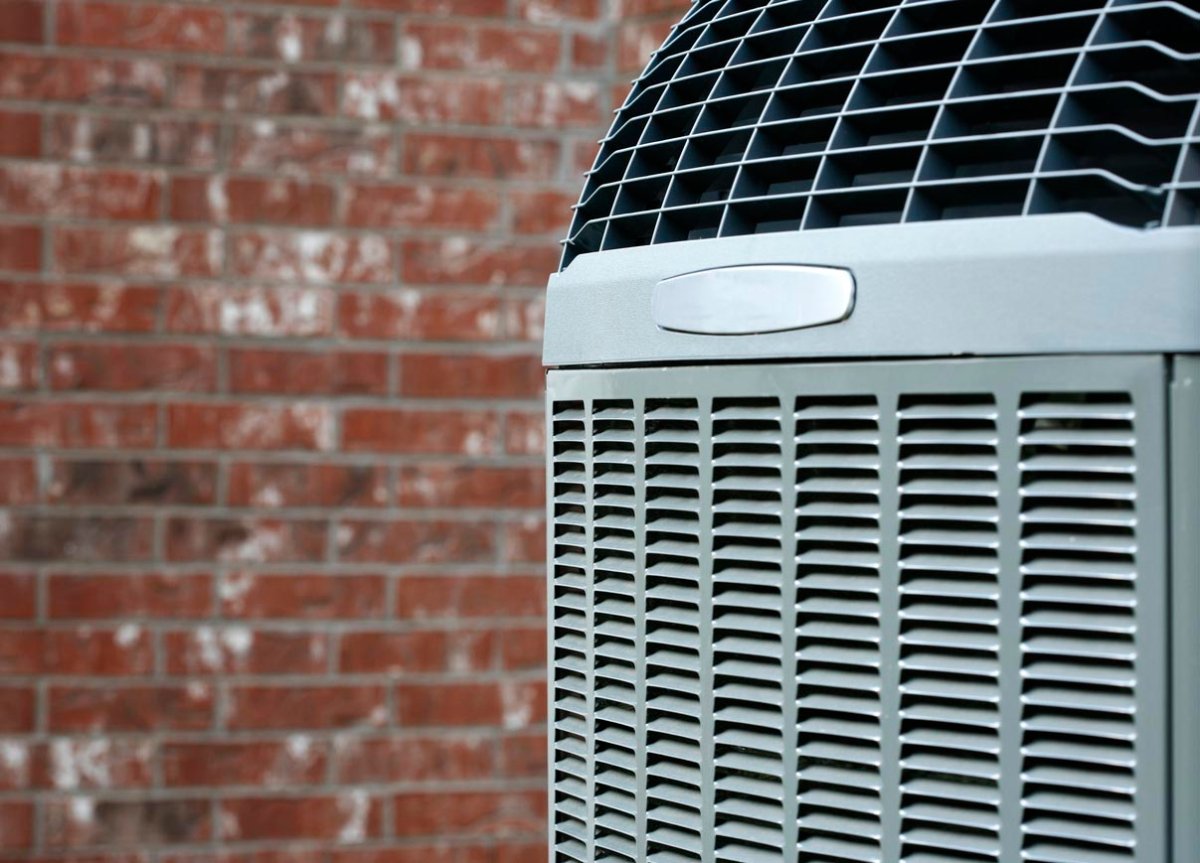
(16, 825)
(127, 83)
(559, 11)
(44, 424)
(470, 485)
(353, 813)
(250, 311)
(434, 154)
(22, 136)
(525, 541)
(288, 484)
(413, 759)
(298, 761)
(247, 200)
(291, 38)
(541, 212)
(437, 45)
(18, 481)
(17, 709)
(463, 261)
(129, 596)
(230, 540)
(18, 366)
(21, 652)
(524, 434)
(523, 756)
(324, 372)
(464, 8)
(124, 823)
(398, 541)
(376, 95)
(297, 147)
(523, 649)
(425, 432)
(141, 27)
(556, 104)
(471, 376)
(76, 538)
(19, 590)
(58, 307)
(449, 704)
(469, 813)
(420, 315)
(255, 91)
(393, 652)
(131, 482)
(130, 708)
(303, 596)
(85, 652)
(250, 426)
(22, 21)
(100, 138)
(74, 764)
(589, 52)
(20, 248)
(301, 707)
(241, 650)
(519, 49)
(439, 852)
(105, 366)
(77, 652)
(313, 257)
(51, 190)
(401, 206)
(423, 597)
(156, 251)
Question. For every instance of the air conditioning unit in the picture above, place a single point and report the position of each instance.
(874, 442)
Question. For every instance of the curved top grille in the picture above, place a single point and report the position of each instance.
(776, 115)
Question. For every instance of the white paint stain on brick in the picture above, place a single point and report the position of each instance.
(10, 367)
(218, 200)
(80, 763)
(238, 640)
(14, 758)
(207, 649)
(127, 634)
(83, 811)
(411, 54)
(355, 807)
(289, 43)
(368, 94)
(517, 703)
(234, 586)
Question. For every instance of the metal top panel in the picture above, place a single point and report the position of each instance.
(1068, 283)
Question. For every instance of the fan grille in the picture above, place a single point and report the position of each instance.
(759, 116)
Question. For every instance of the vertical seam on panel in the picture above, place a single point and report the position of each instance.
(707, 699)
(590, 588)
(787, 630)
(889, 634)
(1009, 583)
(639, 622)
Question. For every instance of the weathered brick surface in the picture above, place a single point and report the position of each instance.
(271, 496)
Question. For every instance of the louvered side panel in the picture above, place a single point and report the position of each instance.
(748, 620)
(837, 628)
(949, 629)
(1079, 629)
(571, 491)
(614, 629)
(672, 649)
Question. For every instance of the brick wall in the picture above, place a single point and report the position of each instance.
(270, 432)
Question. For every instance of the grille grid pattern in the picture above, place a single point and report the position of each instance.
(796, 114)
(938, 580)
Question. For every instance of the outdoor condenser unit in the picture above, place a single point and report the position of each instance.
(874, 442)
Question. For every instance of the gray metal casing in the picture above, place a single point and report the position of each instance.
(1062, 291)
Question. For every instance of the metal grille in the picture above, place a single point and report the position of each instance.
(877, 612)
(796, 114)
